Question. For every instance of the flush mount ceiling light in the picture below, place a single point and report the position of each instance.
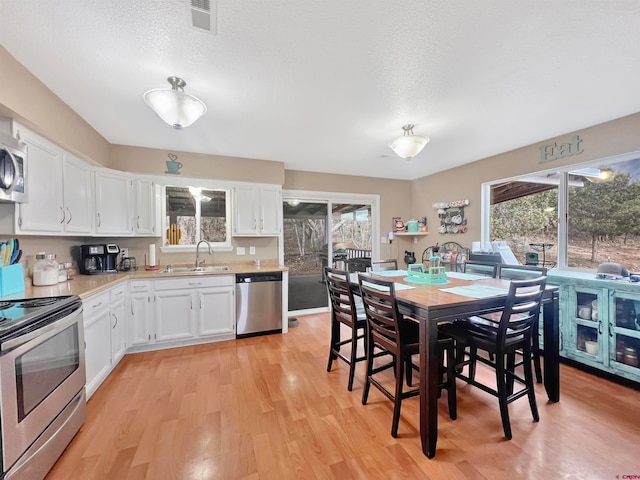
(175, 107)
(408, 145)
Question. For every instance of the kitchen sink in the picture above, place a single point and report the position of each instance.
(212, 268)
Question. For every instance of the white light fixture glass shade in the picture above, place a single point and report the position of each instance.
(408, 145)
(175, 107)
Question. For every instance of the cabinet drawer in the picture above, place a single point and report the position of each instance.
(95, 303)
(136, 286)
(118, 293)
(201, 281)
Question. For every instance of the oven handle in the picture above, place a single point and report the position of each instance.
(48, 330)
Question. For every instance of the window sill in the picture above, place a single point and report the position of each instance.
(192, 248)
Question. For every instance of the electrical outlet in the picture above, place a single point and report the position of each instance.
(383, 239)
(252, 250)
(124, 252)
(240, 250)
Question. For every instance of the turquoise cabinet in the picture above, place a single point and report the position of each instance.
(600, 322)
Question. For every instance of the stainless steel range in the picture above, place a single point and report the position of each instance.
(42, 382)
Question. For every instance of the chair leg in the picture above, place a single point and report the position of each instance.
(451, 384)
(335, 339)
(409, 371)
(367, 381)
(354, 352)
(473, 353)
(536, 355)
(511, 367)
(397, 401)
(528, 378)
(502, 394)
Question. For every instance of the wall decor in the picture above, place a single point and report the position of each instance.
(556, 151)
(173, 165)
(451, 215)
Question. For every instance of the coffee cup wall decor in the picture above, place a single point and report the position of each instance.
(173, 166)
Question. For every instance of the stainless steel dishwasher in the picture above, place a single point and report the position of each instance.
(258, 303)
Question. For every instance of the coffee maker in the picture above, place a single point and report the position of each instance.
(97, 259)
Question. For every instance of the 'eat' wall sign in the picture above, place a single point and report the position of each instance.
(556, 151)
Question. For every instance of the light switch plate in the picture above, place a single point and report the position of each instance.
(252, 250)
(240, 250)
(383, 239)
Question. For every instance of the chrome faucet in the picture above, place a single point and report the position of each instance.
(198, 261)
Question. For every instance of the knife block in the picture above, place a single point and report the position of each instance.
(11, 279)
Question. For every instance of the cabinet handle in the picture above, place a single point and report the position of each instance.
(195, 283)
(120, 292)
(63, 215)
(138, 222)
(132, 314)
(99, 221)
(70, 216)
(611, 329)
(115, 324)
(97, 305)
(599, 327)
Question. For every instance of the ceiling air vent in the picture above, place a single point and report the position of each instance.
(203, 15)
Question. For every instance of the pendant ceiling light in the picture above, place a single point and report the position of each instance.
(408, 145)
(175, 107)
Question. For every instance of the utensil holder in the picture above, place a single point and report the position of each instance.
(11, 279)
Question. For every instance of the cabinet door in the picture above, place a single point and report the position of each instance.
(270, 210)
(245, 202)
(118, 332)
(174, 315)
(624, 334)
(216, 313)
(587, 314)
(113, 204)
(145, 207)
(45, 212)
(97, 339)
(78, 204)
(139, 324)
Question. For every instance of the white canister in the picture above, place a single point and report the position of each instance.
(45, 269)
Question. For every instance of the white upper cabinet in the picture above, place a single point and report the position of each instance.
(114, 203)
(145, 202)
(77, 193)
(257, 210)
(45, 211)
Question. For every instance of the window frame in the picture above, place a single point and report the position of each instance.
(204, 184)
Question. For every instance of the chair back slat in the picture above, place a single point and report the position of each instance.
(381, 310)
(478, 267)
(343, 303)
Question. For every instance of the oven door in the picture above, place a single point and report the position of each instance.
(40, 373)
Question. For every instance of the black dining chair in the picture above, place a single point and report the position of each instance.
(521, 272)
(502, 336)
(345, 310)
(477, 267)
(379, 265)
(391, 334)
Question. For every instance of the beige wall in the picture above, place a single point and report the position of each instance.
(612, 138)
(24, 98)
(152, 161)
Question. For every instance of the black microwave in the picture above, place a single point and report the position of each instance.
(13, 170)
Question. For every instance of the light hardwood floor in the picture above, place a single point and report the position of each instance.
(266, 408)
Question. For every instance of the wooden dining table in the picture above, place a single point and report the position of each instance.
(433, 304)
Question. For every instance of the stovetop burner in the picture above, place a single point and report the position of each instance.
(17, 314)
(38, 302)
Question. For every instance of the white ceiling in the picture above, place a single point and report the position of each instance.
(324, 85)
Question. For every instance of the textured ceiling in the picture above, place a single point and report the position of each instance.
(324, 85)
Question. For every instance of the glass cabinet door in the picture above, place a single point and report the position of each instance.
(585, 314)
(624, 330)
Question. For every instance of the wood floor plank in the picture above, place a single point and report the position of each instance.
(266, 408)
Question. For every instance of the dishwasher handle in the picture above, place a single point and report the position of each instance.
(259, 277)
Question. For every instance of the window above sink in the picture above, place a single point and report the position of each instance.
(195, 210)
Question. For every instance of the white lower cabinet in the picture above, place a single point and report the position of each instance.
(105, 326)
(179, 311)
(97, 339)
